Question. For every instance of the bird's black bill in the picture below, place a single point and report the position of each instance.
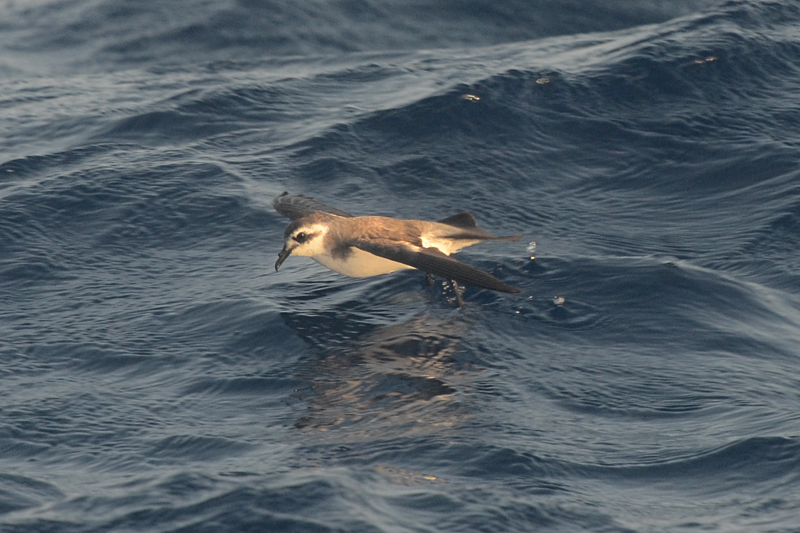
(286, 252)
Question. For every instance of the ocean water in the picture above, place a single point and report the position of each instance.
(157, 374)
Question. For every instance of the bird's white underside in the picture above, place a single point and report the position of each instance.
(359, 264)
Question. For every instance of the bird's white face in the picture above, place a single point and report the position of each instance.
(307, 240)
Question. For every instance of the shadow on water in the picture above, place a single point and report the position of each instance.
(368, 382)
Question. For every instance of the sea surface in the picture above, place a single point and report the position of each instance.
(158, 375)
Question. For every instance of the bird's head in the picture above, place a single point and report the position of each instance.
(304, 238)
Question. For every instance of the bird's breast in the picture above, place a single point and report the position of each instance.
(359, 264)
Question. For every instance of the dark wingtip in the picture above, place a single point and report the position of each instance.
(464, 220)
(506, 288)
(275, 200)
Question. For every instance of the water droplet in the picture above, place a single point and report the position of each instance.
(532, 250)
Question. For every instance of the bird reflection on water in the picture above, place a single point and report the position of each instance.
(394, 381)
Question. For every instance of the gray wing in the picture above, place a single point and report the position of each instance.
(433, 261)
(464, 219)
(297, 206)
(468, 229)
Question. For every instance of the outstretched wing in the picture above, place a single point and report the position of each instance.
(297, 206)
(433, 261)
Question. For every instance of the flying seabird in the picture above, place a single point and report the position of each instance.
(370, 246)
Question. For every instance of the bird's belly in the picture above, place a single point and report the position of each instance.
(359, 264)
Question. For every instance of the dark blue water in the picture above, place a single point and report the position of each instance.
(156, 374)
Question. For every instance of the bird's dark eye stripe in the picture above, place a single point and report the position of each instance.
(301, 237)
